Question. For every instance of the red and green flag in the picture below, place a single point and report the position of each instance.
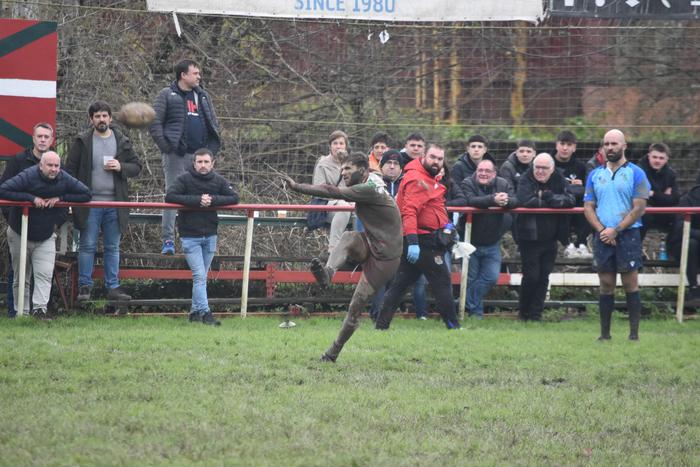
(27, 80)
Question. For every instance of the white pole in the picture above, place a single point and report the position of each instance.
(246, 263)
(465, 268)
(22, 261)
(683, 267)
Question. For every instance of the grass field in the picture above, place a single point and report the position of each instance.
(101, 391)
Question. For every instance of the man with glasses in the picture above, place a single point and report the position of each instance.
(541, 186)
(485, 190)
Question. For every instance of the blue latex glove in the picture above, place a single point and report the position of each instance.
(413, 253)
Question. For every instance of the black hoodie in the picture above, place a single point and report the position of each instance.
(573, 169)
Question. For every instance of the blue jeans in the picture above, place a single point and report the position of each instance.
(199, 251)
(104, 219)
(484, 267)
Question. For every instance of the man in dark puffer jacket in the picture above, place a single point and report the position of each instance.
(200, 186)
(185, 121)
(540, 187)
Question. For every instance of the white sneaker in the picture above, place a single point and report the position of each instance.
(571, 251)
(584, 252)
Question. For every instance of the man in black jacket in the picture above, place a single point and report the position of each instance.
(200, 187)
(103, 159)
(664, 187)
(485, 190)
(414, 148)
(574, 172)
(185, 121)
(43, 185)
(518, 162)
(540, 187)
(42, 139)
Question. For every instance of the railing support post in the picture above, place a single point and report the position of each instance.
(22, 261)
(246, 262)
(465, 269)
(680, 300)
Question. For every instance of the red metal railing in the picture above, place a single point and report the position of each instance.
(250, 209)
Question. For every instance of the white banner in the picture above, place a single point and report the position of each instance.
(369, 10)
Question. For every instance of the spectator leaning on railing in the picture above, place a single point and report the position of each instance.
(42, 139)
(485, 190)
(201, 187)
(43, 185)
(542, 186)
(664, 187)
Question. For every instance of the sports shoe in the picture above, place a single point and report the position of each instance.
(327, 358)
(194, 318)
(168, 248)
(84, 293)
(320, 273)
(584, 252)
(40, 313)
(117, 294)
(208, 318)
(571, 251)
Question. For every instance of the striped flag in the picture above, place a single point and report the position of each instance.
(27, 80)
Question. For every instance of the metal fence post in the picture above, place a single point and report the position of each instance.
(246, 261)
(465, 268)
(680, 300)
(22, 261)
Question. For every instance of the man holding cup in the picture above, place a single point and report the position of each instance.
(103, 159)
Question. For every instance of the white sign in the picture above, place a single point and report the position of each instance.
(370, 10)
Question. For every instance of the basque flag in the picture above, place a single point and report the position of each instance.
(27, 80)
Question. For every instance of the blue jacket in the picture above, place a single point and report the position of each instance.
(30, 184)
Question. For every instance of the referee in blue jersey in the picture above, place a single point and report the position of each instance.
(614, 202)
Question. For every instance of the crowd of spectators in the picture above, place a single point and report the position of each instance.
(101, 160)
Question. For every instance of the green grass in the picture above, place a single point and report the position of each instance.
(100, 391)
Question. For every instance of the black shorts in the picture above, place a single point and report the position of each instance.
(624, 256)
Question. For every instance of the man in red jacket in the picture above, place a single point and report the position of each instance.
(427, 235)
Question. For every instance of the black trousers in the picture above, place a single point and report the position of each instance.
(538, 261)
(431, 262)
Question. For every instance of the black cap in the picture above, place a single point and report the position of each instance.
(390, 155)
(478, 139)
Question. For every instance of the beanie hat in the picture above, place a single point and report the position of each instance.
(478, 139)
(390, 155)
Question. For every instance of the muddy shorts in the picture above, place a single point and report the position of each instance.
(378, 272)
(624, 256)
